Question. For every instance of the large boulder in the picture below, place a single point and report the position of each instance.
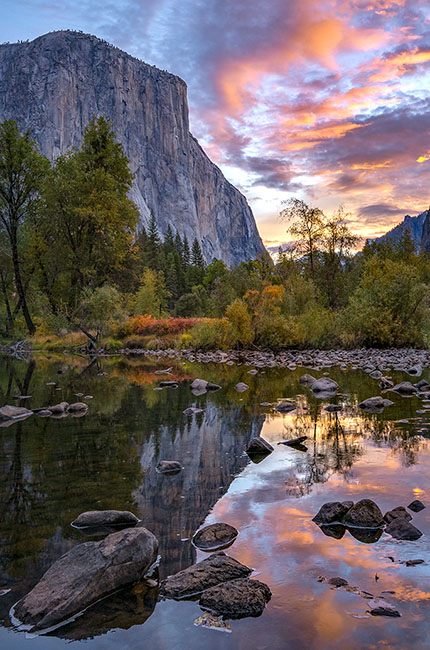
(215, 536)
(400, 528)
(404, 388)
(14, 412)
(200, 386)
(374, 404)
(85, 574)
(259, 446)
(364, 514)
(325, 386)
(215, 569)
(237, 599)
(95, 518)
(332, 512)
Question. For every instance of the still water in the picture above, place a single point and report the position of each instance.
(53, 469)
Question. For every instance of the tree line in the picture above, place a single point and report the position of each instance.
(73, 256)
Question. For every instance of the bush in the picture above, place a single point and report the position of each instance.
(241, 322)
(145, 325)
(212, 334)
(276, 331)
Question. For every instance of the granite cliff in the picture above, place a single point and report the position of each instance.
(56, 83)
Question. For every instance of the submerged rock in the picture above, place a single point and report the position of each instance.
(259, 446)
(337, 582)
(400, 511)
(333, 530)
(215, 569)
(237, 599)
(332, 512)
(294, 442)
(241, 387)
(285, 407)
(93, 518)
(77, 407)
(400, 528)
(169, 467)
(307, 380)
(374, 404)
(85, 574)
(366, 535)
(404, 388)
(416, 506)
(215, 537)
(365, 514)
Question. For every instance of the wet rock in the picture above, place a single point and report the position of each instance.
(168, 384)
(416, 506)
(192, 410)
(58, 409)
(385, 611)
(215, 569)
(337, 582)
(93, 518)
(325, 386)
(293, 442)
(169, 467)
(374, 404)
(414, 562)
(404, 388)
(307, 380)
(285, 407)
(415, 370)
(215, 537)
(237, 598)
(331, 512)
(333, 408)
(400, 528)
(88, 572)
(202, 384)
(376, 374)
(44, 413)
(77, 407)
(333, 530)
(241, 387)
(14, 412)
(253, 371)
(400, 511)
(259, 446)
(364, 513)
(386, 383)
(366, 535)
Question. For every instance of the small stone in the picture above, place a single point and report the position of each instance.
(416, 506)
(259, 446)
(236, 598)
(400, 511)
(337, 582)
(241, 387)
(215, 537)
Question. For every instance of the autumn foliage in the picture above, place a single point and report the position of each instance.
(148, 325)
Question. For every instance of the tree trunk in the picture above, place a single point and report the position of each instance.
(10, 323)
(19, 287)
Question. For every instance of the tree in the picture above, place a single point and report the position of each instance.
(152, 295)
(98, 310)
(153, 245)
(306, 226)
(22, 172)
(89, 223)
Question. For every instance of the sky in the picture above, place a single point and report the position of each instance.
(324, 100)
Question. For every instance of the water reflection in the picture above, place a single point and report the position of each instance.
(51, 470)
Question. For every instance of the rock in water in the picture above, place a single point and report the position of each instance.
(332, 512)
(85, 574)
(169, 467)
(365, 514)
(400, 528)
(77, 407)
(325, 385)
(307, 380)
(215, 569)
(14, 412)
(259, 446)
(215, 536)
(58, 409)
(237, 599)
(148, 107)
(241, 387)
(400, 511)
(374, 404)
(105, 518)
(416, 506)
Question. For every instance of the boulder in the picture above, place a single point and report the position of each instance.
(259, 446)
(386, 383)
(237, 598)
(364, 514)
(307, 380)
(376, 374)
(416, 506)
(285, 407)
(58, 409)
(77, 407)
(14, 412)
(169, 467)
(366, 535)
(333, 530)
(203, 385)
(405, 388)
(325, 386)
(332, 512)
(400, 511)
(333, 408)
(215, 537)
(44, 413)
(215, 569)
(294, 442)
(374, 404)
(88, 572)
(94, 518)
(415, 370)
(241, 387)
(400, 528)
(337, 582)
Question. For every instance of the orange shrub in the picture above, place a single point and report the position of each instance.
(145, 325)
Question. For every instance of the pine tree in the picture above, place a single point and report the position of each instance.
(169, 242)
(153, 245)
(196, 255)
(186, 254)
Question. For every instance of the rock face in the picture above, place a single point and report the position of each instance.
(85, 574)
(215, 569)
(237, 599)
(56, 83)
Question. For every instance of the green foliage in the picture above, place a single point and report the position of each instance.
(241, 322)
(152, 295)
(100, 309)
(211, 335)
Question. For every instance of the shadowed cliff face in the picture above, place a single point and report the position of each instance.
(56, 83)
